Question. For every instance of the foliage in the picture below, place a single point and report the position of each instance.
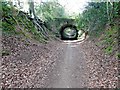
(109, 40)
(18, 24)
(96, 16)
(41, 27)
(118, 56)
(49, 10)
(5, 52)
(101, 19)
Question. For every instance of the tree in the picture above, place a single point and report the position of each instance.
(50, 10)
(97, 15)
(32, 9)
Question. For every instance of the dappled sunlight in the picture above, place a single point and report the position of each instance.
(73, 41)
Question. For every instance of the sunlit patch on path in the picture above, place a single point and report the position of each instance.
(79, 41)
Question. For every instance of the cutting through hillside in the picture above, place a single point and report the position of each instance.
(60, 44)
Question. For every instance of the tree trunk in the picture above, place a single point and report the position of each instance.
(31, 8)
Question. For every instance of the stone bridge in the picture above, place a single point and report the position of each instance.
(66, 28)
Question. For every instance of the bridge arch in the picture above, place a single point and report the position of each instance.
(72, 28)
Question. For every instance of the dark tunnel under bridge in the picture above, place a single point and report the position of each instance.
(69, 32)
(67, 28)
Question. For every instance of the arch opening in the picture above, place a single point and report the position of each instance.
(68, 32)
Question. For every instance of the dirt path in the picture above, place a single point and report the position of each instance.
(57, 65)
(70, 69)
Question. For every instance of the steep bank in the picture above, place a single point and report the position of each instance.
(103, 69)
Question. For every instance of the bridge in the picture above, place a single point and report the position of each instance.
(66, 28)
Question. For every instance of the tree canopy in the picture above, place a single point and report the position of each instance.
(97, 15)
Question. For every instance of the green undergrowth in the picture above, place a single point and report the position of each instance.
(109, 41)
(16, 23)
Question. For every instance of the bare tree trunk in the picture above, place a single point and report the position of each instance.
(31, 8)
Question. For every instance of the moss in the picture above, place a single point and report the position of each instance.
(5, 52)
(109, 50)
(27, 44)
(118, 56)
(10, 27)
(109, 40)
